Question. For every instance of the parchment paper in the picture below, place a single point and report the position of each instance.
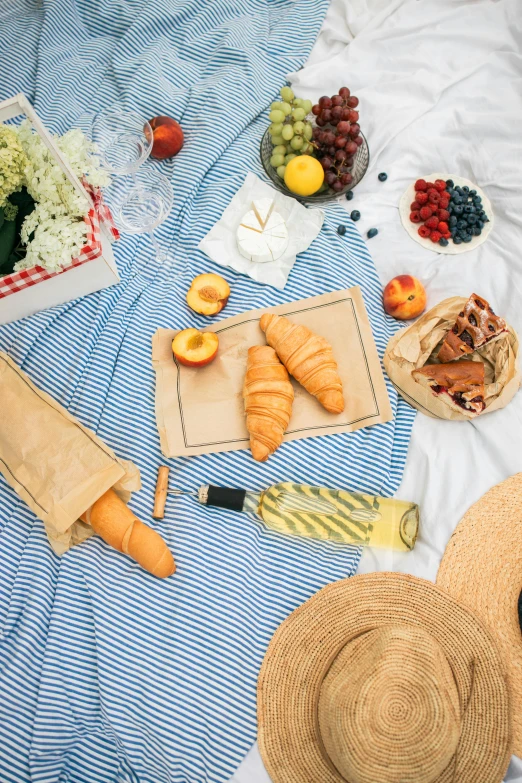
(54, 463)
(419, 344)
(200, 410)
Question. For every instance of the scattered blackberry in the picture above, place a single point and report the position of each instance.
(341, 230)
(349, 195)
(372, 233)
(355, 215)
(382, 176)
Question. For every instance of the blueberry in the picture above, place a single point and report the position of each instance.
(458, 189)
(462, 223)
(449, 183)
(457, 200)
(457, 240)
(450, 208)
(355, 215)
(349, 195)
(476, 231)
(341, 230)
(459, 209)
(382, 176)
(452, 192)
(472, 192)
(482, 215)
(472, 219)
(372, 233)
(453, 220)
(463, 233)
(480, 224)
(477, 199)
(467, 238)
(468, 208)
(443, 242)
(465, 189)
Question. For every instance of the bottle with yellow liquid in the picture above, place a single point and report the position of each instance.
(326, 514)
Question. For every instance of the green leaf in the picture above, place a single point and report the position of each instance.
(8, 242)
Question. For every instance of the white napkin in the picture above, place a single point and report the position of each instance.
(303, 226)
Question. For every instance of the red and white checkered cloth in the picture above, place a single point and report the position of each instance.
(97, 215)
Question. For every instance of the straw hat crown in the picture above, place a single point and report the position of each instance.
(390, 686)
(383, 678)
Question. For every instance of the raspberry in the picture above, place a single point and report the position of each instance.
(432, 222)
(426, 212)
(424, 232)
(440, 185)
(421, 197)
(443, 203)
(415, 216)
(420, 184)
(415, 206)
(433, 196)
(442, 227)
(444, 215)
(430, 185)
(447, 235)
(435, 236)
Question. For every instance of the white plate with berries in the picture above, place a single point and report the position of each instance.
(446, 214)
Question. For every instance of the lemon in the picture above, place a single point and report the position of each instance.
(304, 175)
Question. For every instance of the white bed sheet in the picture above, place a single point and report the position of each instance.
(440, 85)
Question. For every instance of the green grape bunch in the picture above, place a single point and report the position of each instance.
(291, 133)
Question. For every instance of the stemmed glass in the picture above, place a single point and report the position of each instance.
(123, 138)
(140, 203)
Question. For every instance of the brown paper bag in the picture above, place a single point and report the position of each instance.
(419, 344)
(53, 462)
(200, 410)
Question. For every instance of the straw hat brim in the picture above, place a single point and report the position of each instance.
(306, 643)
(482, 568)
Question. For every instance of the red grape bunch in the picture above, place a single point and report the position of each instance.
(336, 136)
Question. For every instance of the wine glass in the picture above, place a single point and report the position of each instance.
(123, 138)
(140, 203)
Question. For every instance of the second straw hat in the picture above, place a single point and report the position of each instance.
(383, 678)
(482, 569)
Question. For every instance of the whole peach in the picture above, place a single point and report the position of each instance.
(167, 137)
(404, 297)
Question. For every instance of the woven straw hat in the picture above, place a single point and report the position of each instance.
(482, 568)
(383, 678)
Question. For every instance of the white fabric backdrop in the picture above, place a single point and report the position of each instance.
(440, 86)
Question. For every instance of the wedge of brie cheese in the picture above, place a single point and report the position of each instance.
(262, 234)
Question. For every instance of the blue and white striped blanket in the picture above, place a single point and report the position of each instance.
(107, 674)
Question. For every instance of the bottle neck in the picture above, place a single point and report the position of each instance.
(233, 499)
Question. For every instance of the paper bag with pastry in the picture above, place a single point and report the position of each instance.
(423, 361)
(68, 476)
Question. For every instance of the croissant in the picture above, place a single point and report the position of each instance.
(307, 357)
(268, 397)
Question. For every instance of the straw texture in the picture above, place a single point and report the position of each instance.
(482, 568)
(383, 678)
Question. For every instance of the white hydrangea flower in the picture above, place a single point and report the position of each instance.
(56, 224)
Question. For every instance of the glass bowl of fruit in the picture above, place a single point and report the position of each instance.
(329, 132)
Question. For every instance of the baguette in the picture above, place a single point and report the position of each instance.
(117, 525)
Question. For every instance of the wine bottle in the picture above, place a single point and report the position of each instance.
(326, 514)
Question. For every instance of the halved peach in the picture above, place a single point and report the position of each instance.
(194, 348)
(208, 294)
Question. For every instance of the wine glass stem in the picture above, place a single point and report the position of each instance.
(160, 253)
